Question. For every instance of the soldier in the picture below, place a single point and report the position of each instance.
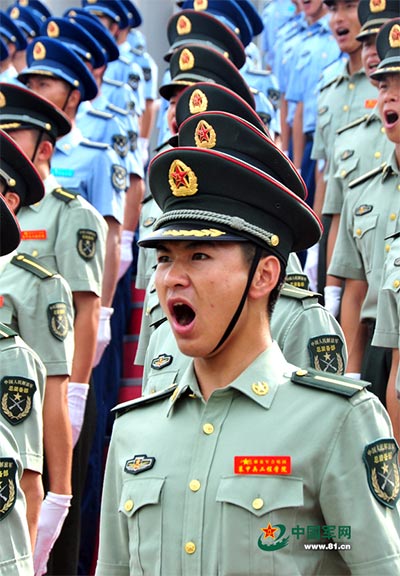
(36, 300)
(240, 441)
(15, 42)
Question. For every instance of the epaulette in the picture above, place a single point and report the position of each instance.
(137, 51)
(113, 82)
(163, 144)
(367, 176)
(353, 124)
(329, 83)
(259, 72)
(329, 382)
(33, 265)
(6, 331)
(64, 195)
(147, 198)
(100, 114)
(298, 293)
(93, 144)
(121, 409)
(124, 60)
(298, 280)
(117, 109)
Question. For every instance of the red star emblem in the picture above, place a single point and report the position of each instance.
(197, 100)
(203, 133)
(269, 531)
(179, 176)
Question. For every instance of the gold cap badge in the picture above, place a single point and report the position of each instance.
(198, 102)
(200, 4)
(3, 101)
(53, 31)
(394, 36)
(14, 14)
(377, 5)
(205, 135)
(182, 179)
(39, 51)
(183, 25)
(186, 60)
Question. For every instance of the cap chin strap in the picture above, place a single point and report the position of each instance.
(235, 317)
(37, 146)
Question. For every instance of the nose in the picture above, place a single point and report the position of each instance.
(175, 275)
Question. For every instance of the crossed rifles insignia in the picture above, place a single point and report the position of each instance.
(381, 460)
(8, 487)
(87, 244)
(16, 398)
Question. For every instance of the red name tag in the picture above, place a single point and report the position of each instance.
(34, 235)
(1, 301)
(268, 465)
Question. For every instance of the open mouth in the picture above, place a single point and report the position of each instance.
(391, 117)
(183, 314)
(342, 32)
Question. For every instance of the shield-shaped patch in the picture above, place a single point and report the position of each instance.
(120, 144)
(383, 473)
(8, 486)
(16, 398)
(58, 320)
(86, 244)
(133, 137)
(118, 177)
(326, 353)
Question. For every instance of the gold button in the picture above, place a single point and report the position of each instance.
(128, 505)
(260, 388)
(345, 108)
(301, 372)
(35, 253)
(387, 247)
(274, 240)
(343, 173)
(208, 428)
(392, 216)
(398, 186)
(67, 146)
(351, 86)
(258, 503)
(194, 485)
(396, 283)
(190, 547)
(377, 154)
(358, 231)
(383, 130)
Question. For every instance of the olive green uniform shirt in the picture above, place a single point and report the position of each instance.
(15, 544)
(359, 147)
(194, 488)
(387, 329)
(68, 235)
(341, 101)
(37, 303)
(22, 387)
(305, 331)
(370, 213)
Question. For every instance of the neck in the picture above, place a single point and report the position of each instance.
(318, 15)
(355, 62)
(235, 355)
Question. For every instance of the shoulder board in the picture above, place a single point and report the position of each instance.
(329, 83)
(330, 383)
(253, 90)
(93, 144)
(124, 60)
(100, 114)
(164, 145)
(121, 409)
(294, 292)
(353, 124)
(137, 51)
(33, 265)
(113, 82)
(115, 108)
(259, 72)
(367, 176)
(6, 331)
(147, 198)
(64, 195)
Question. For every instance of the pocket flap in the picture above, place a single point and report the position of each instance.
(140, 492)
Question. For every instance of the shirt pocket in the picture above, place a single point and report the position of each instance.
(247, 506)
(346, 168)
(140, 504)
(6, 315)
(364, 234)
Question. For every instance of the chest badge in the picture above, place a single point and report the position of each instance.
(139, 463)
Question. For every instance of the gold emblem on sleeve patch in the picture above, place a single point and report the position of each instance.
(86, 244)
(139, 463)
(381, 460)
(161, 361)
(326, 353)
(8, 486)
(58, 320)
(16, 398)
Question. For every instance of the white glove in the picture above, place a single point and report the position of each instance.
(126, 252)
(332, 296)
(143, 145)
(354, 375)
(103, 334)
(77, 395)
(311, 267)
(52, 515)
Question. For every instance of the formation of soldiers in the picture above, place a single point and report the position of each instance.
(267, 124)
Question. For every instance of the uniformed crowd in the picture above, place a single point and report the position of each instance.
(264, 232)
